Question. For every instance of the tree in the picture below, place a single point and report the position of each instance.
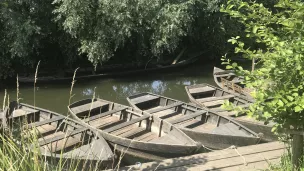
(29, 33)
(147, 27)
(280, 73)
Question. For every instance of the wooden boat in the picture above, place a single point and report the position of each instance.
(58, 137)
(107, 73)
(211, 129)
(211, 97)
(134, 133)
(228, 80)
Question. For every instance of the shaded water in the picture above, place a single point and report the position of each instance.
(171, 84)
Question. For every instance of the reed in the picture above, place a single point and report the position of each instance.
(36, 77)
(4, 99)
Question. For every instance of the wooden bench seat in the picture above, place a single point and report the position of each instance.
(144, 98)
(45, 122)
(201, 90)
(151, 111)
(188, 117)
(104, 114)
(86, 108)
(208, 99)
(214, 103)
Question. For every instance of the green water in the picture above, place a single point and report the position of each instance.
(55, 97)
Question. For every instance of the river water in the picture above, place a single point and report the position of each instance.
(56, 97)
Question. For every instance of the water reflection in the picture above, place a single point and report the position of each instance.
(88, 92)
(56, 97)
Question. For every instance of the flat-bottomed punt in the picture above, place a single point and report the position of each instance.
(228, 80)
(212, 98)
(117, 71)
(58, 137)
(209, 128)
(134, 133)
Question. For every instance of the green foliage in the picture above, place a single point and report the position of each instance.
(278, 34)
(155, 27)
(28, 34)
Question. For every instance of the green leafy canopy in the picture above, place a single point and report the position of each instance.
(279, 75)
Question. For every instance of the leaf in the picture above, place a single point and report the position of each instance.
(297, 108)
(290, 98)
(254, 29)
(229, 67)
(280, 103)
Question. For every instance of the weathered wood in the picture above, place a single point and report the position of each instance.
(203, 126)
(225, 75)
(165, 107)
(201, 90)
(145, 98)
(21, 112)
(88, 107)
(53, 137)
(104, 114)
(256, 157)
(208, 99)
(48, 121)
(57, 138)
(189, 116)
(213, 103)
(133, 121)
(179, 55)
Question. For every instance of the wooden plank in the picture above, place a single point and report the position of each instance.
(225, 75)
(48, 121)
(123, 130)
(125, 124)
(87, 107)
(208, 99)
(57, 138)
(104, 114)
(219, 155)
(230, 129)
(188, 116)
(132, 132)
(63, 144)
(144, 98)
(214, 103)
(232, 163)
(201, 90)
(21, 112)
(163, 113)
(165, 107)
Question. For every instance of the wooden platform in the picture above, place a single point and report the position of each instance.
(255, 157)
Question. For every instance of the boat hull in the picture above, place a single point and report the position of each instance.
(264, 130)
(27, 80)
(148, 151)
(219, 142)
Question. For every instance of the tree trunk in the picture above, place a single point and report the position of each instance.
(252, 65)
(297, 150)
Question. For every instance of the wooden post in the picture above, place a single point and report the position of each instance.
(297, 150)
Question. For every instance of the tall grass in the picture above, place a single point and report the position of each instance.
(285, 163)
(20, 149)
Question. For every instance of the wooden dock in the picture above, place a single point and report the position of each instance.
(255, 157)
